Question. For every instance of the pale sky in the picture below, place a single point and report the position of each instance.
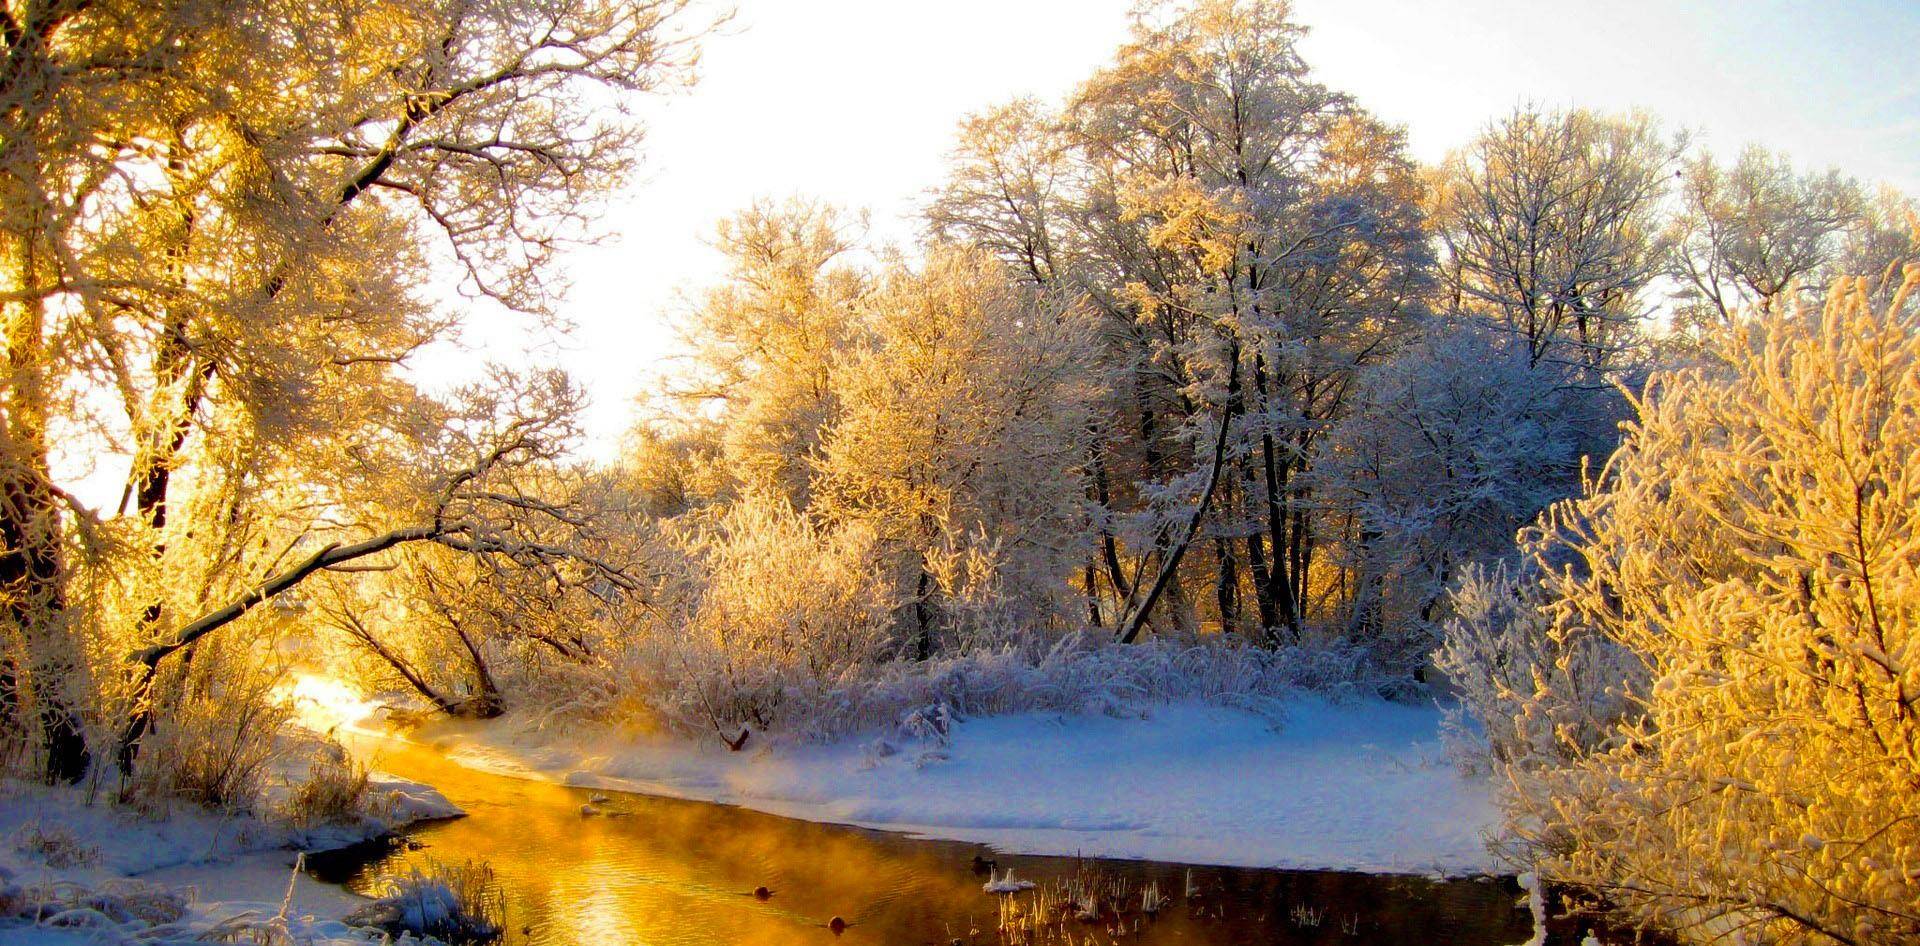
(855, 102)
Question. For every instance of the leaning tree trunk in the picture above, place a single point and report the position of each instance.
(1170, 565)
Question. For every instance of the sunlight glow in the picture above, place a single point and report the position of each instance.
(322, 703)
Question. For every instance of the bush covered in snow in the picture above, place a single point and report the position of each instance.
(54, 845)
(1530, 693)
(334, 791)
(458, 905)
(113, 907)
(1754, 549)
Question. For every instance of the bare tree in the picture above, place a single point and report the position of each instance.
(1551, 228)
(1748, 233)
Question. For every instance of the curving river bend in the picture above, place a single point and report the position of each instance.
(664, 871)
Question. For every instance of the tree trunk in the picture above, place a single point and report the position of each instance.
(32, 569)
(1109, 548)
(1091, 584)
(1226, 590)
(1365, 619)
(923, 617)
(1280, 607)
(1262, 575)
(1300, 555)
(30, 585)
(1130, 628)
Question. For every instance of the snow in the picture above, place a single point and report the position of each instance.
(1354, 785)
(1005, 884)
(1537, 906)
(80, 872)
(429, 902)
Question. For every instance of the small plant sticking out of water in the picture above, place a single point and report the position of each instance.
(1088, 894)
(1058, 912)
(460, 905)
(1307, 917)
(1150, 899)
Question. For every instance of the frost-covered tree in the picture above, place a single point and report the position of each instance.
(1881, 243)
(215, 218)
(1009, 182)
(671, 464)
(766, 340)
(1552, 230)
(1249, 239)
(960, 439)
(1449, 449)
(1749, 232)
(1755, 546)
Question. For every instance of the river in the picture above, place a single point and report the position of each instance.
(648, 870)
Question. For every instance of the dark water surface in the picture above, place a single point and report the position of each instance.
(663, 871)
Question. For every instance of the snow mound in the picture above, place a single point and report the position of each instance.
(407, 802)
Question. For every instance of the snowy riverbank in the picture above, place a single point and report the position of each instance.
(74, 872)
(1359, 785)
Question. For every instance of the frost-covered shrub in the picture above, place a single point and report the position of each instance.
(1075, 673)
(216, 733)
(454, 904)
(1756, 543)
(781, 607)
(334, 791)
(54, 845)
(120, 910)
(1530, 693)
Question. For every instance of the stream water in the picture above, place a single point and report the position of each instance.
(663, 871)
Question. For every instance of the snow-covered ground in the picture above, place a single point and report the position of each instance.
(1357, 785)
(74, 872)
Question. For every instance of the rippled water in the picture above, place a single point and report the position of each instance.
(661, 871)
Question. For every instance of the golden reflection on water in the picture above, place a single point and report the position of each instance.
(660, 871)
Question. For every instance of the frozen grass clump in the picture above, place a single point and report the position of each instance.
(334, 792)
(54, 845)
(119, 908)
(454, 904)
(220, 739)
